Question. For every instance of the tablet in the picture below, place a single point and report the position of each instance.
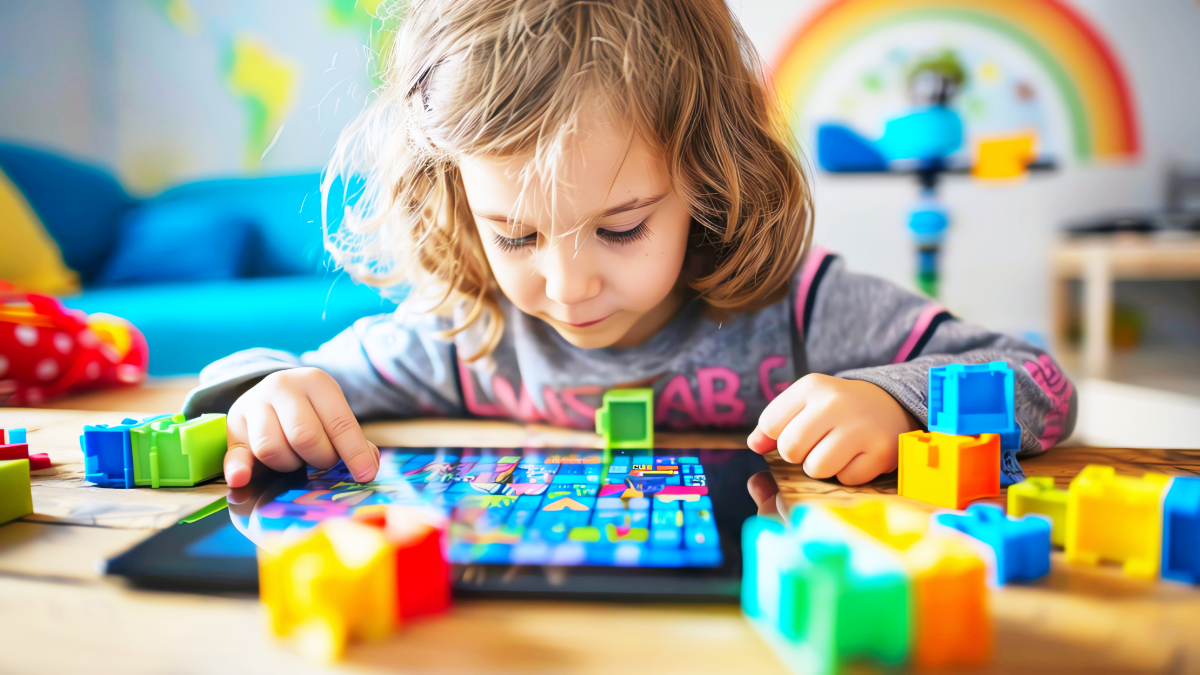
(537, 522)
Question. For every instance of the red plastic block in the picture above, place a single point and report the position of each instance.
(14, 451)
(422, 573)
(39, 461)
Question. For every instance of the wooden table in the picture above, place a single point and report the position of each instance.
(59, 615)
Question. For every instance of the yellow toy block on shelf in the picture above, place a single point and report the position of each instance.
(949, 577)
(1118, 518)
(337, 583)
(16, 500)
(1038, 495)
(948, 471)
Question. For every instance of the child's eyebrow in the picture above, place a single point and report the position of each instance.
(631, 205)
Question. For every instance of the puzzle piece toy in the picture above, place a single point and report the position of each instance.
(1119, 518)
(949, 582)
(1181, 531)
(626, 418)
(965, 400)
(1038, 495)
(1021, 547)
(820, 599)
(178, 452)
(335, 584)
(16, 500)
(948, 471)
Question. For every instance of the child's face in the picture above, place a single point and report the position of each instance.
(612, 283)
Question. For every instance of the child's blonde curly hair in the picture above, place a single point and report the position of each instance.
(507, 78)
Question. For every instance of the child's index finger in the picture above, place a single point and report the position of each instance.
(342, 428)
(782, 410)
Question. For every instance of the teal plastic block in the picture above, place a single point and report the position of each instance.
(16, 500)
(820, 596)
(12, 436)
(177, 452)
(972, 399)
(626, 418)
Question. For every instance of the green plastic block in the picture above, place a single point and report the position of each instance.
(15, 497)
(626, 418)
(177, 452)
(821, 596)
(1038, 495)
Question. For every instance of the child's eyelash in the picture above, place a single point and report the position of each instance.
(637, 233)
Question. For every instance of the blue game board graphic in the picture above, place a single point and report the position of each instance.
(544, 507)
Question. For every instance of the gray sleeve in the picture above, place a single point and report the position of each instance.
(865, 328)
(387, 366)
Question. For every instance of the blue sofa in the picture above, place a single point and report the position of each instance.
(203, 269)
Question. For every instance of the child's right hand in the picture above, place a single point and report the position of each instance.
(293, 417)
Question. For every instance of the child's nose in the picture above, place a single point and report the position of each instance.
(570, 277)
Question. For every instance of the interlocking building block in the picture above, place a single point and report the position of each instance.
(14, 451)
(626, 418)
(422, 572)
(16, 500)
(1021, 547)
(1181, 531)
(953, 627)
(820, 598)
(1119, 518)
(337, 583)
(949, 471)
(1038, 495)
(15, 436)
(965, 400)
(106, 453)
(178, 452)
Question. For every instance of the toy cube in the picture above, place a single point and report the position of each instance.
(965, 400)
(1038, 495)
(14, 436)
(422, 573)
(335, 584)
(626, 418)
(949, 471)
(949, 578)
(1181, 531)
(107, 459)
(820, 598)
(178, 452)
(1021, 547)
(16, 500)
(1119, 518)
(13, 451)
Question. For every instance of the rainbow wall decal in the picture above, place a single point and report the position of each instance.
(1079, 61)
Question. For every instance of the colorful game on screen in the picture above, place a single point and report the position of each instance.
(545, 507)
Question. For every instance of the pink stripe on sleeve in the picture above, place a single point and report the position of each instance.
(811, 265)
(918, 329)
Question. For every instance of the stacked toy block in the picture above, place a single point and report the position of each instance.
(970, 449)
(356, 578)
(161, 451)
(847, 584)
(13, 446)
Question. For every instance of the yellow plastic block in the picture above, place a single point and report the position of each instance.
(335, 584)
(1038, 495)
(15, 498)
(948, 471)
(949, 577)
(1118, 518)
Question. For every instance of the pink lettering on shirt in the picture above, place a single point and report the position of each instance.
(726, 396)
(770, 391)
(1058, 388)
(677, 395)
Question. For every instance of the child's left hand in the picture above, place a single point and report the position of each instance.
(834, 427)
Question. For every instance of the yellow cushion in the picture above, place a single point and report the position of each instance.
(29, 256)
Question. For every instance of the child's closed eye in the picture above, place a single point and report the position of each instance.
(636, 233)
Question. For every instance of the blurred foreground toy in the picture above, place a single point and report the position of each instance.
(626, 418)
(1021, 547)
(1181, 531)
(176, 451)
(47, 350)
(1118, 518)
(419, 539)
(1039, 496)
(16, 500)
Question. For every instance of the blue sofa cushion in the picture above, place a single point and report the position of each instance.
(178, 241)
(78, 204)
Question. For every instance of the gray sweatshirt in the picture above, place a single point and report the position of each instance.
(707, 373)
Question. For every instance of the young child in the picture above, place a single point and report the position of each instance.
(583, 196)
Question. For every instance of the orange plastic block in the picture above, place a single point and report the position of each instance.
(335, 584)
(949, 471)
(1119, 518)
(949, 577)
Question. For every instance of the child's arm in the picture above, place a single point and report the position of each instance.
(875, 338)
(286, 410)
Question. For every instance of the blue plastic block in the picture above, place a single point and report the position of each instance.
(925, 134)
(967, 400)
(1022, 546)
(107, 459)
(15, 436)
(1181, 531)
(840, 149)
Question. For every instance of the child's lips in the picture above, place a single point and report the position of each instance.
(585, 324)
